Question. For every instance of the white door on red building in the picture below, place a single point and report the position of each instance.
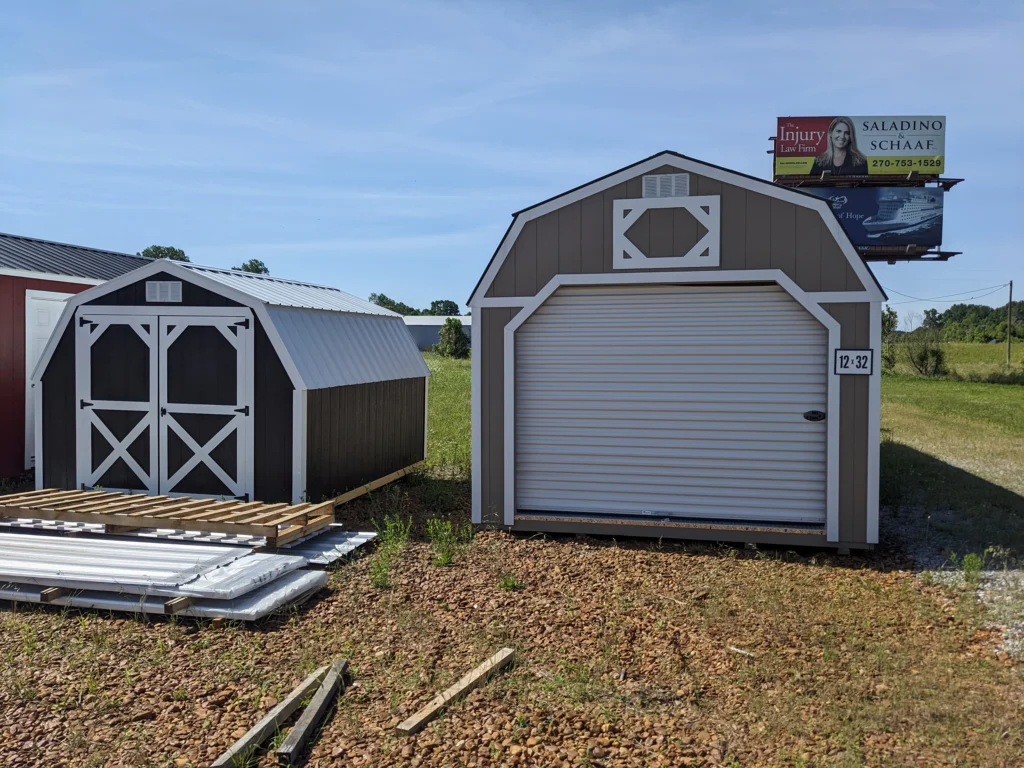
(42, 311)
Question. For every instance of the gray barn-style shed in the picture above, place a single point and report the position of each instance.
(180, 379)
(677, 349)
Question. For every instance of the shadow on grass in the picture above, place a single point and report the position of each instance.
(948, 506)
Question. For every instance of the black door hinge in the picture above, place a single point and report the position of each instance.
(163, 411)
(84, 404)
(243, 323)
(244, 410)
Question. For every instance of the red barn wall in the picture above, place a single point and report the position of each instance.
(12, 365)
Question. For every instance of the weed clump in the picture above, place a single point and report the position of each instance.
(447, 540)
(392, 537)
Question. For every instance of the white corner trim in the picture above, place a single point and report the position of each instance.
(37, 393)
(839, 297)
(874, 422)
(502, 301)
(723, 276)
(759, 186)
(626, 212)
(31, 411)
(30, 275)
(476, 515)
(298, 446)
(192, 276)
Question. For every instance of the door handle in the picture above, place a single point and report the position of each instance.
(163, 411)
(814, 415)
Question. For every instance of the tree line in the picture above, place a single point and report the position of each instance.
(974, 322)
(171, 253)
(444, 307)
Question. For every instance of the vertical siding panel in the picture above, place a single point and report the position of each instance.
(705, 186)
(608, 196)
(661, 234)
(640, 233)
(505, 281)
(684, 231)
(860, 448)
(758, 231)
(547, 250)
(734, 227)
(592, 229)
(808, 249)
(526, 260)
(569, 242)
(783, 237)
(844, 313)
(833, 265)
(853, 282)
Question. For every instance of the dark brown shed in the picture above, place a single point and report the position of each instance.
(677, 349)
(180, 379)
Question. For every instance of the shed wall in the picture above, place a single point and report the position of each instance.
(757, 232)
(360, 433)
(12, 365)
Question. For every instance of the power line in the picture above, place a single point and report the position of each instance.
(945, 296)
(954, 301)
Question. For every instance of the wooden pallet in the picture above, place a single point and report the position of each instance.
(278, 523)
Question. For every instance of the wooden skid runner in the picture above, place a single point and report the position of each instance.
(278, 523)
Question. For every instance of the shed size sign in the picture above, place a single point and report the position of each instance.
(860, 146)
(854, 361)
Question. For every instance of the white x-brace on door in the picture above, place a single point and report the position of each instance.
(116, 387)
(206, 405)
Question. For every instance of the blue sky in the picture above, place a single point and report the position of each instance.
(382, 146)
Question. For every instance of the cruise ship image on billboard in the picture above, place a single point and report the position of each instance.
(897, 213)
(886, 216)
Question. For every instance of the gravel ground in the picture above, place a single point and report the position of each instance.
(622, 660)
(923, 536)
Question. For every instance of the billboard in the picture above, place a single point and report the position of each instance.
(860, 146)
(886, 216)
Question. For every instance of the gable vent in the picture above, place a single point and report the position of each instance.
(667, 185)
(163, 290)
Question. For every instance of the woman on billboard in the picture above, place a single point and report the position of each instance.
(842, 158)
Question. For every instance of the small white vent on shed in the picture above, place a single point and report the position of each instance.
(667, 185)
(163, 290)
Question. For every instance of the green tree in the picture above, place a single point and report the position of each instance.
(163, 252)
(890, 322)
(452, 340)
(444, 307)
(255, 266)
(395, 306)
(931, 320)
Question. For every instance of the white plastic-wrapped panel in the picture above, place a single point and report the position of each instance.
(672, 401)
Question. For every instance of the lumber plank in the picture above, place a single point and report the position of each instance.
(271, 722)
(177, 509)
(174, 505)
(50, 594)
(313, 714)
(27, 495)
(472, 680)
(210, 512)
(177, 604)
(53, 497)
(298, 531)
(84, 503)
(125, 502)
(236, 511)
(355, 493)
(268, 512)
(309, 511)
(140, 520)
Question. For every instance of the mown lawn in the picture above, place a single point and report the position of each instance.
(953, 453)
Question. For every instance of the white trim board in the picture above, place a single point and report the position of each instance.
(684, 164)
(32, 294)
(298, 446)
(30, 275)
(734, 276)
(192, 276)
(476, 454)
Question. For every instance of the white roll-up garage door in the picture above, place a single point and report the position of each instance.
(672, 401)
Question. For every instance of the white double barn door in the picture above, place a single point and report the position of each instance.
(165, 402)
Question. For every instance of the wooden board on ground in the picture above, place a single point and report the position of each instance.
(295, 741)
(362, 490)
(271, 722)
(474, 679)
(119, 512)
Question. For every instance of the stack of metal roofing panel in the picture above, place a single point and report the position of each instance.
(142, 575)
(321, 547)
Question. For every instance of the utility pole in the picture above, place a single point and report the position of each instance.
(1009, 325)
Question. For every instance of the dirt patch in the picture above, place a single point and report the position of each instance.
(623, 659)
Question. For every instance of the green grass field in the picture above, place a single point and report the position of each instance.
(975, 360)
(449, 419)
